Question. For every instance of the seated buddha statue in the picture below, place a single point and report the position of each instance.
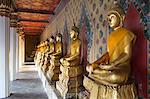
(70, 79)
(54, 68)
(49, 50)
(73, 58)
(40, 53)
(113, 68)
(44, 51)
(58, 47)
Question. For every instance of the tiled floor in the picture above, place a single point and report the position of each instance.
(28, 85)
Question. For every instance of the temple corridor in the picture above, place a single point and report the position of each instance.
(27, 85)
(74, 49)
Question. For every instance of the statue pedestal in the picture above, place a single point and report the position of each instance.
(49, 88)
(99, 91)
(70, 81)
(54, 70)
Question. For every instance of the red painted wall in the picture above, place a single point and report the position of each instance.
(139, 57)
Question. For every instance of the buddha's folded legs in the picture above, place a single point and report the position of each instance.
(109, 77)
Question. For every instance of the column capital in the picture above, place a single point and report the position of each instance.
(5, 7)
(13, 19)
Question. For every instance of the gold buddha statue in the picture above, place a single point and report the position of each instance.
(73, 58)
(44, 49)
(40, 53)
(48, 51)
(54, 68)
(58, 47)
(113, 68)
(70, 78)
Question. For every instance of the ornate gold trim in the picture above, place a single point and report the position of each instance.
(5, 7)
(13, 21)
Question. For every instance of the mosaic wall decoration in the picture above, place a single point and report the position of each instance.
(143, 8)
(65, 39)
(86, 35)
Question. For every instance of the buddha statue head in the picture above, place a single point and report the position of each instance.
(74, 32)
(58, 37)
(115, 16)
(51, 39)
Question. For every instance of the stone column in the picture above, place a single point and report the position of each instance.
(4, 47)
(17, 52)
(13, 32)
(21, 48)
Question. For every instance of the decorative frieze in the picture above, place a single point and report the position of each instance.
(5, 7)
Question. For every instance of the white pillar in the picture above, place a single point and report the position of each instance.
(4, 56)
(17, 52)
(21, 50)
(12, 63)
(5, 6)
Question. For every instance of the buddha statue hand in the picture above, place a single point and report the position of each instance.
(56, 55)
(108, 67)
(91, 67)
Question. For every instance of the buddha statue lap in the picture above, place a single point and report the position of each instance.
(54, 68)
(70, 79)
(109, 77)
(48, 52)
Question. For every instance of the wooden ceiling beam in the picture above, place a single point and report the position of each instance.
(44, 21)
(30, 31)
(23, 26)
(36, 34)
(34, 11)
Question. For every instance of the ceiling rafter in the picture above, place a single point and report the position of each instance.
(35, 11)
(44, 21)
(23, 26)
(32, 31)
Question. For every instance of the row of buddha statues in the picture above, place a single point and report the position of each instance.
(109, 77)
